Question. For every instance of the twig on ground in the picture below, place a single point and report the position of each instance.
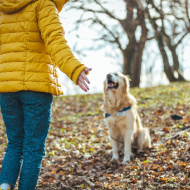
(177, 134)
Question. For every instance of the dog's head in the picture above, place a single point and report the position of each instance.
(116, 82)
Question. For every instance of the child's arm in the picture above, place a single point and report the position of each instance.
(53, 35)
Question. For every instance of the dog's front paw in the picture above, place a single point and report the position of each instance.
(127, 158)
(115, 157)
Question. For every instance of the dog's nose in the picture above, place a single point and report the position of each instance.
(108, 76)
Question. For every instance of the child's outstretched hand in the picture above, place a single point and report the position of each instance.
(82, 80)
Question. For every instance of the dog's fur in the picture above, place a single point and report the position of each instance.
(124, 130)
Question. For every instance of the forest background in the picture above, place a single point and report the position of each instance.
(147, 40)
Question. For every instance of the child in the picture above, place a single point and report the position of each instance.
(32, 45)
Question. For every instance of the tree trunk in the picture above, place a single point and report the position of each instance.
(132, 62)
(167, 69)
(133, 53)
(176, 63)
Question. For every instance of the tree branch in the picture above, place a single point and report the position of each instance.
(180, 40)
(103, 11)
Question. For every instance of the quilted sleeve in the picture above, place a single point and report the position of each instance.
(52, 33)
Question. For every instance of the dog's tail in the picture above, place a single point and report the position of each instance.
(144, 140)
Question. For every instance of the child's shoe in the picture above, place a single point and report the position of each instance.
(5, 186)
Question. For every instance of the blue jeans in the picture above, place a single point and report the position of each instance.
(27, 116)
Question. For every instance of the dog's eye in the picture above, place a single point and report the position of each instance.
(116, 74)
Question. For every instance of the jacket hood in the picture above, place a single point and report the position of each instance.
(11, 6)
(60, 3)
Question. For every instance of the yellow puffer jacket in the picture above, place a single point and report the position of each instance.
(32, 45)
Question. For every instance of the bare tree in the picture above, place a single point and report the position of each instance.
(171, 25)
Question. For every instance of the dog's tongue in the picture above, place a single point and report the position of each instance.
(109, 85)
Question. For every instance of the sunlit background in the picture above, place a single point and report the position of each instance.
(102, 64)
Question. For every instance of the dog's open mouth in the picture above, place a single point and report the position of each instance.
(112, 85)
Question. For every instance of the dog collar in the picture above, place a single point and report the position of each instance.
(119, 112)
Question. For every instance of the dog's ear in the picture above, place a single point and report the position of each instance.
(126, 80)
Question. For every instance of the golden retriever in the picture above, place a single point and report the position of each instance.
(122, 119)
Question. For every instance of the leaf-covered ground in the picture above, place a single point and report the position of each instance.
(78, 150)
